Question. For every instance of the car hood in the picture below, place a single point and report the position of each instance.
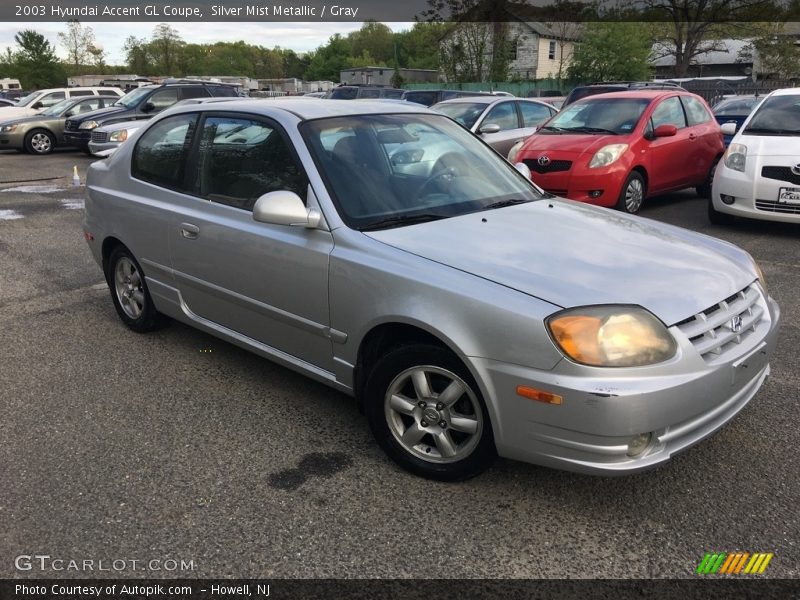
(135, 124)
(571, 254)
(770, 145)
(15, 112)
(108, 111)
(571, 143)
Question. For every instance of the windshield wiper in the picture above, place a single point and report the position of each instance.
(550, 128)
(770, 131)
(592, 130)
(402, 220)
(504, 203)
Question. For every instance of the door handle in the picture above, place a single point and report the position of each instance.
(692, 136)
(189, 231)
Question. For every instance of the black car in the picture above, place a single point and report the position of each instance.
(358, 92)
(431, 97)
(140, 103)
(591, 89)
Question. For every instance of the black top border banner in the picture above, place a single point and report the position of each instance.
(541, 11)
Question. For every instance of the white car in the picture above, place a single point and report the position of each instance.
(759, 175)
(36, 101)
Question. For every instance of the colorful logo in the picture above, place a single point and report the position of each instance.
(734, 563)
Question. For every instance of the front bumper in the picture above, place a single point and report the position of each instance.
(755, 196)
(79, 139)
(11, 140)
(103, 148)
(601, 186)
(602, 412)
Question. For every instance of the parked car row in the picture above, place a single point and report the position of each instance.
(384, 250)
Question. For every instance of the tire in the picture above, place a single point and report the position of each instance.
(632, 194)
(427, 414)
(40, 141)
(716, 217)
(704, 189)
(129, 292)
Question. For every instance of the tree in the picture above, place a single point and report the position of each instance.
(612, 51)
(36, 60)
(164, 48)
(375, 39)
(136, 55)
(773, 52)
(690, 28)
(329, 60)
(79, 43)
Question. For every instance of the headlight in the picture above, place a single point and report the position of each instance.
(735, 157)
(612, 336)
(512, 154)
(88, 125)
(119, 136)
(8, 128)
(607, 155)
(760, 275)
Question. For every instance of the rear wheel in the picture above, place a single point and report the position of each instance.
(130, 294)
(427, 414)
(40, 141)
(632, 194)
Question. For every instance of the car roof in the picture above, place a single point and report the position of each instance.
(642, 94)
(786, 92)
(311, 108)
(488, 99)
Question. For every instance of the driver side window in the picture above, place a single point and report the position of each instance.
(669, 112)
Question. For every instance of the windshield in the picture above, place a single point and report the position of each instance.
(344, 93)
(735, 107)
(58, 108)
(132, 98)
(598, 115)
(465, 113)
(29, 99)
(392, 170)
(776, 115)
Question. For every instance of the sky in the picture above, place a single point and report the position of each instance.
(300, 37)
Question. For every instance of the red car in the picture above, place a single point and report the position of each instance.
(619, 148)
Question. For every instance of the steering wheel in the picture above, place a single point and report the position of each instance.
(447, 167)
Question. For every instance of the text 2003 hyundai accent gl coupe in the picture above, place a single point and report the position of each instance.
(389, 253)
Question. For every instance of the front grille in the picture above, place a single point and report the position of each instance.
(71, 125)
(781, 174)
(712, 332)
(99, 137)
(777, 207)
(554, 166)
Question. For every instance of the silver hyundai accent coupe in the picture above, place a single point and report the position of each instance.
(387, 252)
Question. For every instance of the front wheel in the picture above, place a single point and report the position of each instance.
(632, 194)
(130, 294)
(40, 141)
(427, 414)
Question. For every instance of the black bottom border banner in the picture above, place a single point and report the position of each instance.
(398, 589)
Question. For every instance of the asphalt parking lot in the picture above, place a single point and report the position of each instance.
(177, 446)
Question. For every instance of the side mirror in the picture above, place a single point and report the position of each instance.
(490, 128)
(148, 107)
(37, 105)
(285, 208)
(523, 168)
(665, 130)
(729, 128)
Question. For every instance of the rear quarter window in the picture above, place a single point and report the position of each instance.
(160, 154)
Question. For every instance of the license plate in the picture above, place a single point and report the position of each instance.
(748, 367)
(789, 195)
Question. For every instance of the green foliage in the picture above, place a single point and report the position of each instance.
(612, 51)
(34, 63)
